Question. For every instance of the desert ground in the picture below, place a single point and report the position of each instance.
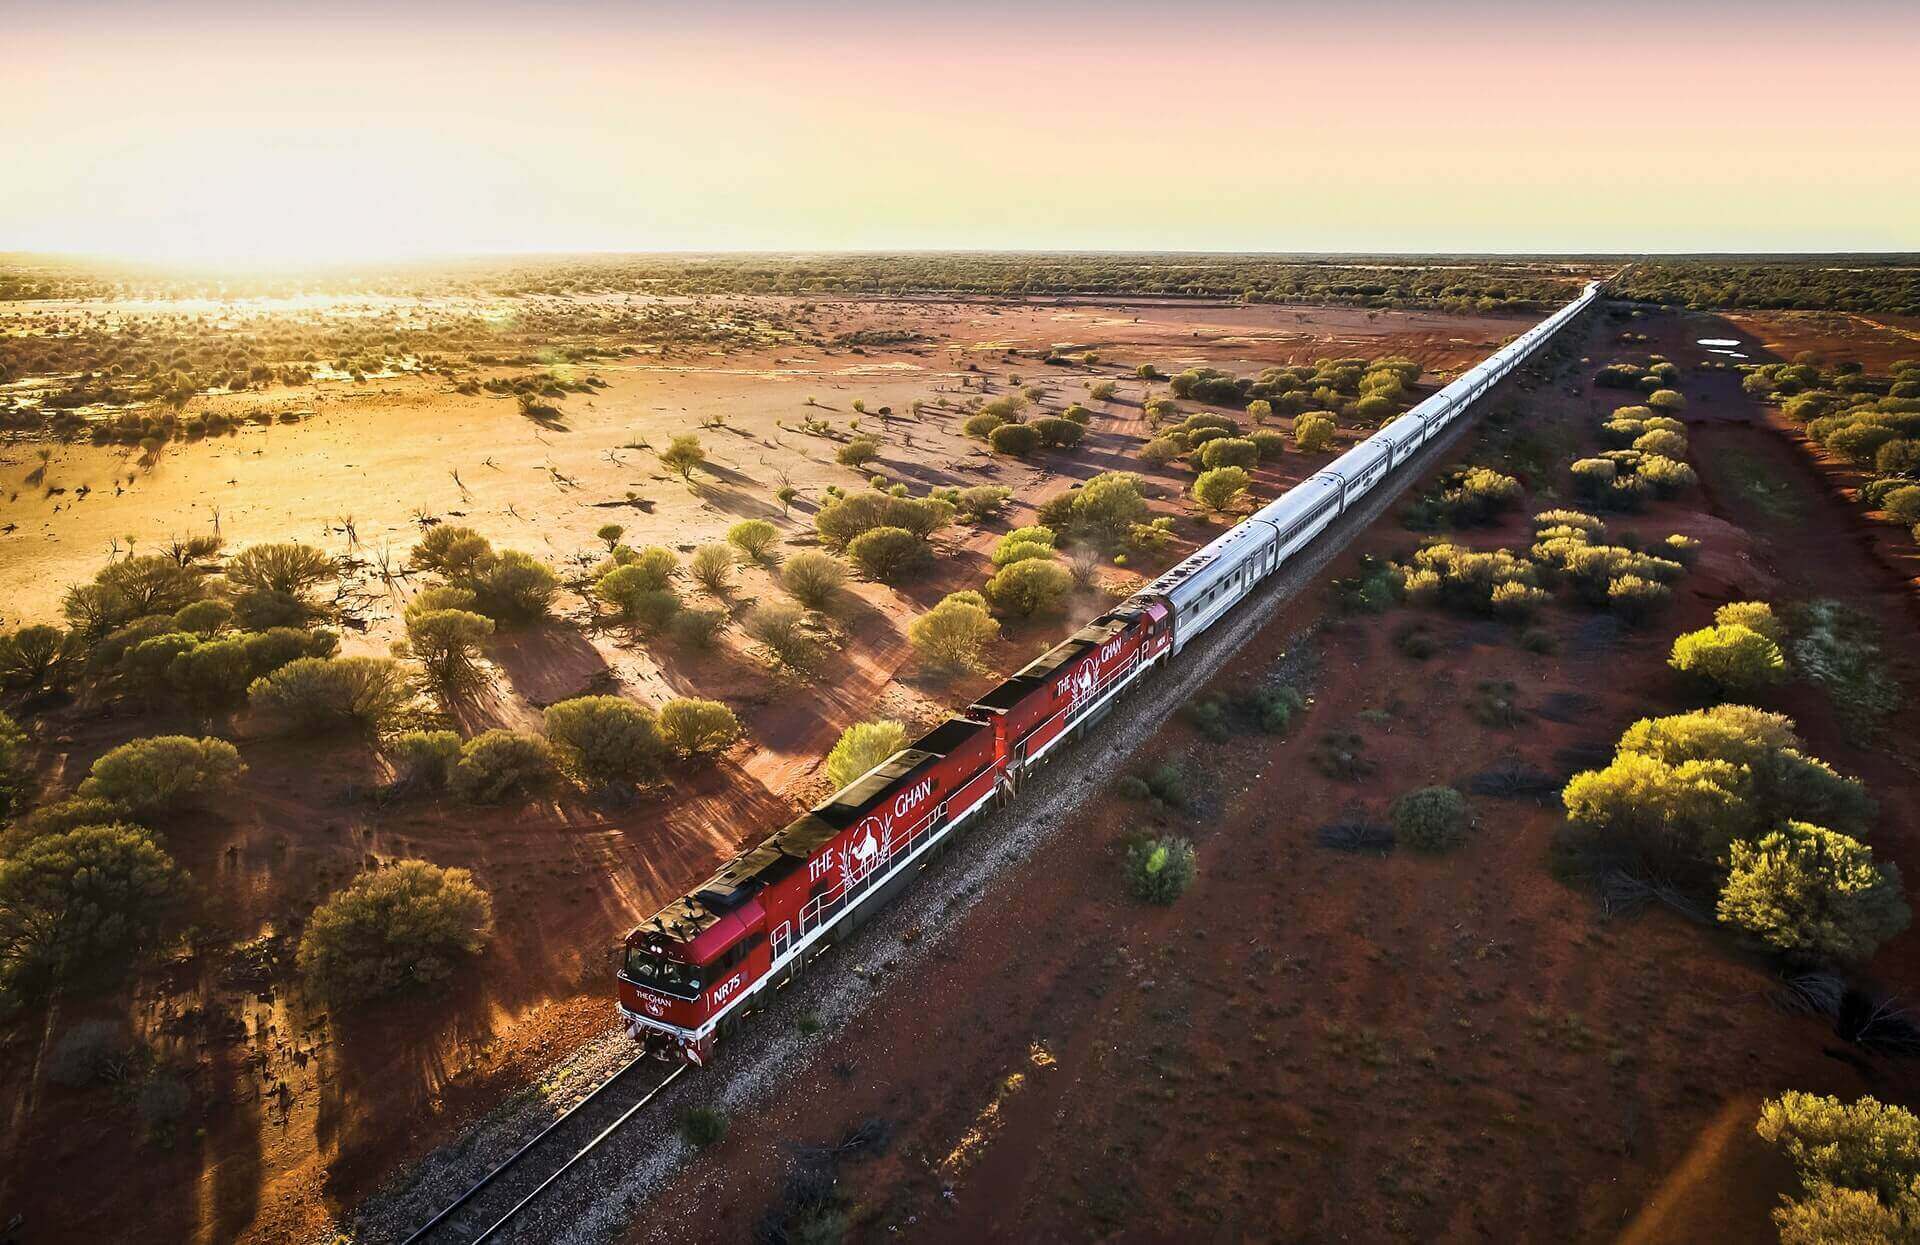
(296, 1111)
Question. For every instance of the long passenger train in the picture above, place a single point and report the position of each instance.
(695, 969)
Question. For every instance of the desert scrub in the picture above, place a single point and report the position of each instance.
(1160, 870)
(73, 901)
(1431, 819)
(499, 765)
(703, 1126)
(861, 747)
(164, 774)
(1838, 647)
(404, 925)
(954, 634)
(606, 739)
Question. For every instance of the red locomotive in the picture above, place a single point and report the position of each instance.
(700, 964)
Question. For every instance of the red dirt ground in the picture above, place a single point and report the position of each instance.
(1316, 1046)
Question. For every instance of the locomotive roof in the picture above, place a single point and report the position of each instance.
(1043, 667)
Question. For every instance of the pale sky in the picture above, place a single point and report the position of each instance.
(279, 133)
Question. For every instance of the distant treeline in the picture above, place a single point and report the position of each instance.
(1449, 282)
(1889, 284)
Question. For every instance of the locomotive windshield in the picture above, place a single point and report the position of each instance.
(657, 972)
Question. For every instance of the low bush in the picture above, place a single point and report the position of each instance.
(1865, 1148)
(1221, 489)
(887, 554)
(754, 538)
(781, 630)
(857, 452)
(1313, 433)
(424, 759)
(1229, 452)
(703, 1126)
(78, 901)
(514, 587)
(982, 501)
(1058, 433)
(1029, 587)
(954, 634)
(861, 747)
(1016, 439)
(813, 578)
(37, 661)
(1160, 870)
(405, 925)
(93, 1052)
(285, 569)
(500, 765)
(1813, 894)
(1431, 819)
(447, 643)
(698, 628)
(606, 739)
(164, 774)
(693, 727)
(1732, 658)
(16, 768)
(316, 694)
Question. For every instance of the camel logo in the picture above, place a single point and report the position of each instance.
(654, 1006)
(858, 858)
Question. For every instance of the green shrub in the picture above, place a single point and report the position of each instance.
(1229, 452)
(1220, 489)
(606, 739)
(861, 747)
(1313, 433)
(1159, 451)
(1029, 587)
(1666, 476)
(1757, 615)
(843, 518)
(452, 551)
(698, 628)
(16, 767)
(1431, 819)
(1058, 433)
(982, 501)
(1734, 658)
(316, 694)
(703, 1126)
(1669, 401)
(204, 618)
(405, 925)
(712, 568)
(1637, 600)
(812, 578)
(693, 727)
(954, 634)
(887, 554)
(683, 456)
(1662, 443)
(447, 643)
(37, 661)
(1269, 445)
(1813, 894)
(164, 774)
(754, 538)
(1902, 505)
(1101, 512)
(74, 901)
(981, 426)
(424, 759)
(515, 587)
(1867, 1146)
(286, 569)
(1017, 439)
(1160, 870)
(858, 452)
(499, 765)
(781, 629)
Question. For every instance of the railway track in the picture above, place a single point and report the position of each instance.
(493, 1207)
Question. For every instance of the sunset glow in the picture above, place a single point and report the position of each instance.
(217, 132)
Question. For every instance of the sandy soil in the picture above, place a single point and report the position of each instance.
(1318, 1046)
(298, 1113)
